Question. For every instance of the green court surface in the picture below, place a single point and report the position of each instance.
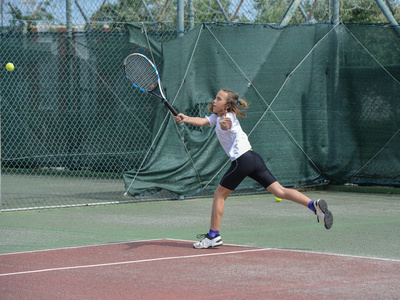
(365, 224)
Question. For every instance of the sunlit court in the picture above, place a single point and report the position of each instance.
(272, 250)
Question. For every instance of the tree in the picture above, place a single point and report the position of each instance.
(117, 14)
(133, 11)
(270, 11)
(351, 11)
(32, 17)
(210, 12)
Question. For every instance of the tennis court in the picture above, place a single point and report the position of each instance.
(144, 250)
(76, 134)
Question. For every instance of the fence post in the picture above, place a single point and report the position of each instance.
(191, 14)
(289, 12)
(336, 12)
(388, 15)
(180, 18)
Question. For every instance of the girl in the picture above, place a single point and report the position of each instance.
(245, 162)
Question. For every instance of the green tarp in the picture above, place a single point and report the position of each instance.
(334, 114)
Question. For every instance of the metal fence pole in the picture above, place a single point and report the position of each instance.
(290, 12)
(69, 18)
(180, 18)
(336, 12)
(70, 86)
(1, 12)
(191, 14)
(388, 15)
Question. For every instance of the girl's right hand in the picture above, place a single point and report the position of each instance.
(180, 118)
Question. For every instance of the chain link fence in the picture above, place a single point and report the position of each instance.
(69, 126)
(112, 15)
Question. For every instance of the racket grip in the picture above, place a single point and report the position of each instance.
(173, 110)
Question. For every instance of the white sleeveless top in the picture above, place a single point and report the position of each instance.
(234, 141)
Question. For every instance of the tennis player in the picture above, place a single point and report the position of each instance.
(245, 162)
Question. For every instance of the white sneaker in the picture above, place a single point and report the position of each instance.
(323, 213)
(207, 242)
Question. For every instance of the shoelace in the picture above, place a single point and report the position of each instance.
(316, 209)
(201, 235)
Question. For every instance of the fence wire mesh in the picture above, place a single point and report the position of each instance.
(69, 127)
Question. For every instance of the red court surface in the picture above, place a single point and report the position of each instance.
(172, 269)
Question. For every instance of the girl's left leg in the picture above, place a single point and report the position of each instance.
(319, 207)
(213, 239)
(220, 196)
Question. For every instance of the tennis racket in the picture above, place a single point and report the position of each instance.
(143, 74)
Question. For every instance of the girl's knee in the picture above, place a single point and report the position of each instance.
(281, 193)
(222, 192)
(277, 190)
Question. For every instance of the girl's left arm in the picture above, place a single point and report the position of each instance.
(225, 122)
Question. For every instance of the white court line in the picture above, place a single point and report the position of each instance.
(132, 262)
(190, 241)
(304, 251)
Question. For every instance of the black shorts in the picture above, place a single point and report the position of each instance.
(248, 164)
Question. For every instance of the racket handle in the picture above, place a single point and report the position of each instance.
(173, 110)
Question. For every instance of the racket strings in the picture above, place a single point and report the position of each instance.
(142, 74)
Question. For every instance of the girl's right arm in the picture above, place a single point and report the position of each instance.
(196, 121)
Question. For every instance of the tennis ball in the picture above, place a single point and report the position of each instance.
(10, 67)
(278, 199)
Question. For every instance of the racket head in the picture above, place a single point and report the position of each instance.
(141, 72)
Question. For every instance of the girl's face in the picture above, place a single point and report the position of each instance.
(219, 104)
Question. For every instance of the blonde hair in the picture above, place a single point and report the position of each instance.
(232, 104)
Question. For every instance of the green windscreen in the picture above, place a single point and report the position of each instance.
(324, 105)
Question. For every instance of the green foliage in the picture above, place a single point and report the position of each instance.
(351, 11)
(121, 12)
(116, 13)
(270, 11)
(209, 11)
(361, 11)
(133, 11)
(42, 15)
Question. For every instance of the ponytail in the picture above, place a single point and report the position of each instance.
(243, 103)
(234, 101)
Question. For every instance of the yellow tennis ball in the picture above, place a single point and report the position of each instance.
(278, 199)
(10, 67)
